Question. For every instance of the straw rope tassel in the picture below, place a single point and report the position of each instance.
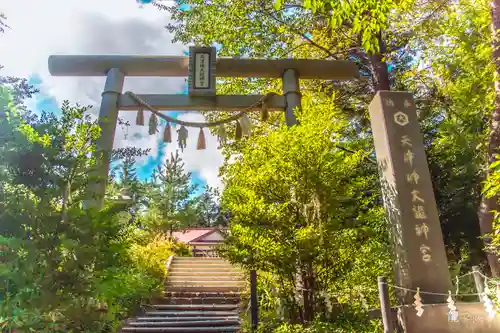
(139, 120)
(264, 112)
(182, 135)
(153, 124)
(453, 313)
(201, 141)
(238, 133)
(167, 134)
(222, 134)
(246, 125)
(418, 303)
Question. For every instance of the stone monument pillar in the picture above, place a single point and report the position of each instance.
(419, 252)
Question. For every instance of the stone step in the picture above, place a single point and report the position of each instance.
(201, 262)
(197, 307)
(190, 313)
(198, 266)
(207, 269)
(178, 272)
(201, 271)
(199, 259)
(220, 278)
(181, 329)
(204, 283)
(183, 319)
(198, 294)
(202, 295)
(224, 283)
(190, 323)
(197, 300)
(202, 289)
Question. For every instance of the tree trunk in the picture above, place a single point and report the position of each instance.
(307, 295)
(489, 204)
(486, 227)
(379, 67)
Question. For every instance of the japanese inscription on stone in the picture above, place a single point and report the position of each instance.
(416, 235)
(420, 218)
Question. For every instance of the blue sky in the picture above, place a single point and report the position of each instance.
(101, 27)
(44, 102)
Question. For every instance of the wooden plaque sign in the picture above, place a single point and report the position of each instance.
(202, 71)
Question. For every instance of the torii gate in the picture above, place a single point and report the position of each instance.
(202, 94)
(419, 251)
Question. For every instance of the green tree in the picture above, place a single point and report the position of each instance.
(454, 78)
(128, 175)
(368, 18)
(300, 211)
(209, 212)
(64, 269)
(492, 190)
(124, 176)
(489, 204)
(410, 36)
(171, 201)
(124, 185)
(440, 51)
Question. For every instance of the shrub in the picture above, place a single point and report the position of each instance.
(152, 253)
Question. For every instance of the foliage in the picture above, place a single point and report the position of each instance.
(304, 202)
(81, 277)
(442, 76)
(492, 189)
(366, 18)
(210, 214)
(152, 254)
(298, 205)
(123, 182)
(170, 200)
(454, 76)
(440, 51)
(20, 91)
(170, 197)
(353, 324)
(69, 269)
(128, 178)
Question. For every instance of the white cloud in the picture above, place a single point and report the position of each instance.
(41, 28)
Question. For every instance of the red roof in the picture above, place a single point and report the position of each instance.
(191, 235)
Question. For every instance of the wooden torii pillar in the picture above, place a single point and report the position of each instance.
(420, 257)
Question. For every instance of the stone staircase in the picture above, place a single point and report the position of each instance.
(202, 295)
